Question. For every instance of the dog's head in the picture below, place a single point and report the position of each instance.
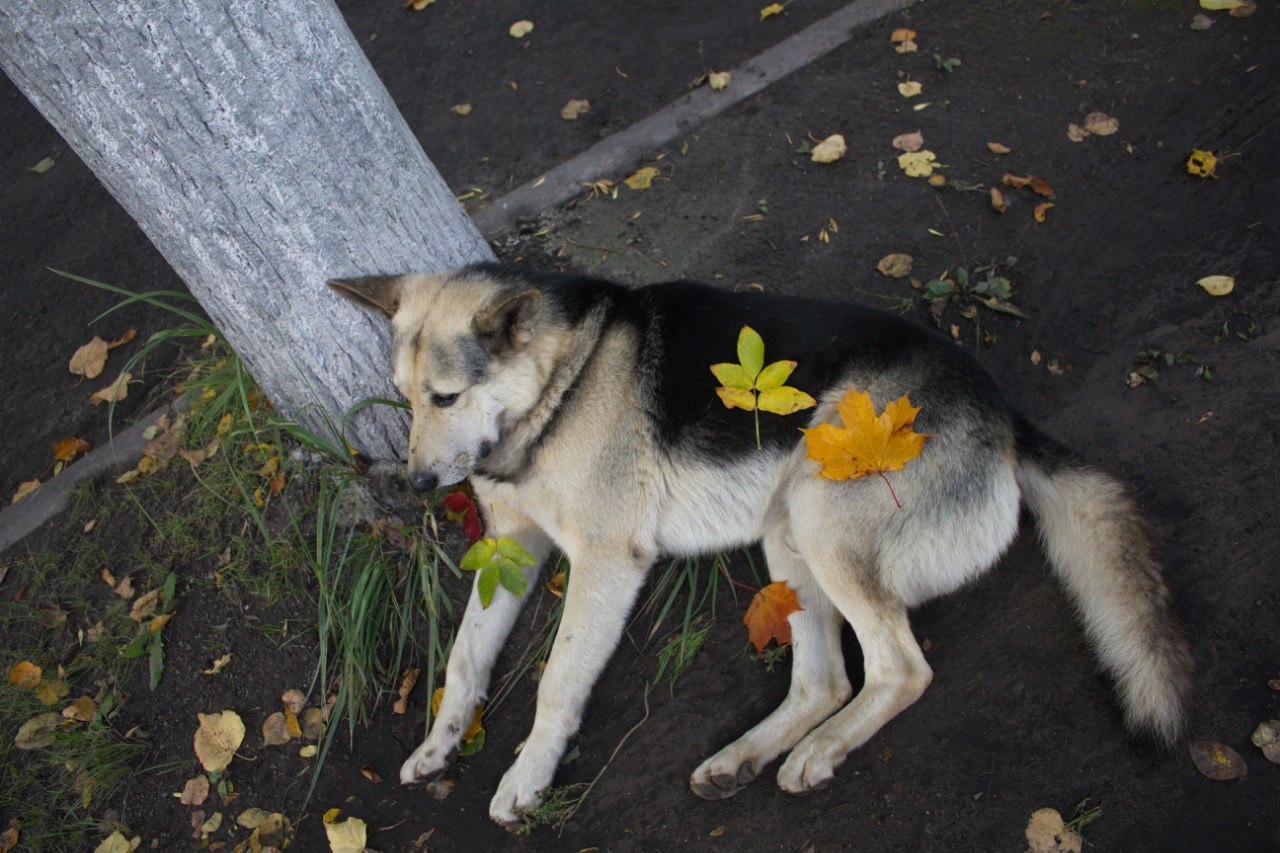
(460, 350)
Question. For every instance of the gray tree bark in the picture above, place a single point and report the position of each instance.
(258, 150)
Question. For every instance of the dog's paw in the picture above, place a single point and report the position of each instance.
(517, 793)
(427, 762)
(722, 775)
(810, 766)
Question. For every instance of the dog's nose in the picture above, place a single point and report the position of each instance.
(423, 482)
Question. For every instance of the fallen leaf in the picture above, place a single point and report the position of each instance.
(997, 200)
(462, 109)
(157, 623)
(218, 665)
(81, 710)
(918, 164)
(909, 141)
(766, 617)
(145, 605)
(294, 699)
(94, 633)
(1217, 285)
(520, 29)
(1266, 737)
(555, 584)
(69, 448)
(113, 393)
(909, 88)
(252, 818)
(719, 80)
(459, 507)
(1037, 185)
(1042, 210)
(1202, 164)
(25, 675)
(117, 843)
(308, 751)
(407, 682)
(1217, 761)
(275, 731)
(1201, 22)
(195, 792)
(575, 108)
(217, 739)
(1244, 10)
(1046, 833)
(643, 178)
(1076, 133)
(124, 589)
(24, 489)
(43, 166)
(313, 723)
(369, 773)
(476, 729)
(346, 836)
(1221, 5)
(771, 10)
(128, 336)
(830, 149)
(997, 148)
(903, 40)
(417, 6)
(274, 832)
(212, 825)
(895, 265)
(291, 724)
(868, 443)
(52, 691)
(9, 838)
(1101, 124)
(89, 360)
(37, 732)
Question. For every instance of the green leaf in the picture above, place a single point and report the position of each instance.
(479, 555)
(785, 400)
(472, 746)
(170, 586)
(487, 584)
(732, 376)
(774, 375)
(750, 351)
(962, 276)
(138, 647)
(511, 549)
(939, 288)
(157, 659)
(510, 576)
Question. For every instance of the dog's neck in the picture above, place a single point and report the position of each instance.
(560, 364)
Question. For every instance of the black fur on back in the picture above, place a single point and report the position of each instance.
(685, 327)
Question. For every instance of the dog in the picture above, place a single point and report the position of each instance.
(586, 416)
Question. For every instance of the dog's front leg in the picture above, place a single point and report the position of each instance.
(602, 588)
(478, 642)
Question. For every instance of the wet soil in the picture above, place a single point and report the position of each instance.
(1017, 718)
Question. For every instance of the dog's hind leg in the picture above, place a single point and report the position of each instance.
(480, 638)
(603, 584)
(819, 684)
(896, 675)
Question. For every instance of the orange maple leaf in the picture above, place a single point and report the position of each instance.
(868, 443)
(767, 614)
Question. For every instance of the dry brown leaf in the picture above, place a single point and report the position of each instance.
(113, 393)
(218, 665)
(69, 448)
(1046, 833)
(124, 589)
(1042, 210)
(275, 731)
(157, 623)
(1217, 761)
(1076, 133)
(37, 732)
(830, 149)
(895, 265)
(1201, 22)
(24, 489)
(89, 359)
(313, 723)
(25, 675)
(217, 739)
(369, 773)
(462, 109)
(997, 200)
(294, 699)
(1101, 124)
(1266, 737)
(51, 692)
(81, 710)
(1038, 185)
(909, 141)
(997, 148)
(407, 682)
(575, 108)
(909, 88)
(50, 614)
(1244, 10)
(902, 34)
(128, 336)
(291, 723)
(145, 605)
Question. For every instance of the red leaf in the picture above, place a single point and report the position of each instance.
(458, 506)
(767, 614)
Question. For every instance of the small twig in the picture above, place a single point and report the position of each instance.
(729, 578)
(616, 749)
(604, 249)
(952, 226)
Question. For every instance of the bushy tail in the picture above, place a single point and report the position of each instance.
(1103, 551)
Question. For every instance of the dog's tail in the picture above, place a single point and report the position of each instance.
(1104, 553)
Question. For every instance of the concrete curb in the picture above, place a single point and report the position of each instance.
(51, 498)
(627, 147)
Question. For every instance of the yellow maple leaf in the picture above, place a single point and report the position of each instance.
(868, 443)
(643, 178)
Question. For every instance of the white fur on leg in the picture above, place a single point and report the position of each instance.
(483, 632)
(819, 684)
(597, 601)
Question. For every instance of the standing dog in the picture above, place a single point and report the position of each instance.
(586, 416)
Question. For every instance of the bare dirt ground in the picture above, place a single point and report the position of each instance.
(1017, 717)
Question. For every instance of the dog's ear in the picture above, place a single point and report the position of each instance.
(509, 324)
(379, 291)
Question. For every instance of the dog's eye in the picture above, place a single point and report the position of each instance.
(443, 401)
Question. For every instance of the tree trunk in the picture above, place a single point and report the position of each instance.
(258, 150)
